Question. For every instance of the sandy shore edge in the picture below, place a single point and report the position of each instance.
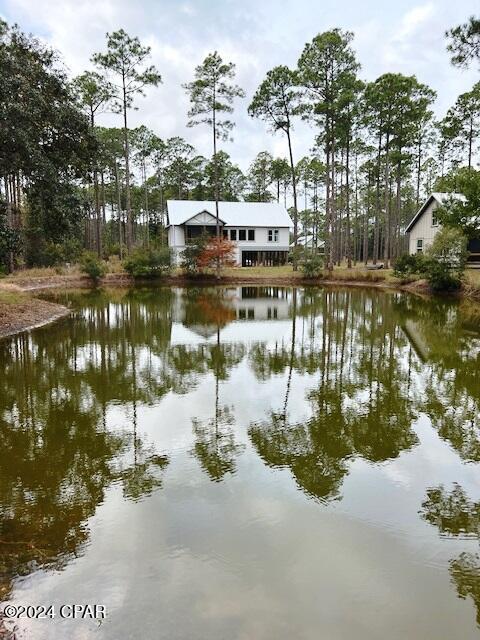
(28, 313)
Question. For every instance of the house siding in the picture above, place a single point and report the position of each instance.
(176, 240)
(423, 229)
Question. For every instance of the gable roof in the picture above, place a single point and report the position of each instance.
(440, 198)
(205, 217)
(238, 214)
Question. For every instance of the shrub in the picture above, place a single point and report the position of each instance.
(93, 266)
(441, 278)
(191, 254)
(406, 265)
(149, 263)
(450, 248)
(312, 265)
(217, 252)
(53, 254)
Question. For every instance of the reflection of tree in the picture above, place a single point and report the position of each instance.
(360, 406)
(465, 572)
(215, 446)
(453, 513)
(456, 515)
(53, 478)
(207, 309)
(58, 457)
(444, 336)
(365, 386)
(145, 474)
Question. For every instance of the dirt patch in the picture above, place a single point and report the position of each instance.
(27, 313)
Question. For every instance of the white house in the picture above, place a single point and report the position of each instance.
(260, 230)
(424, 226)
(307, 242)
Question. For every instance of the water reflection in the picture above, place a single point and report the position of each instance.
(359, 397)
(348, 375)
(455, 514)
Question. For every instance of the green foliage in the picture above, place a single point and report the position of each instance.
(212, 94)
(260, 178)
(93, 266)
(93, 92)
(464, 42)
(440, 277)
(442, 265)
(191, 254)
(407, 265)
(44, 138)
(149, 263)
(462, 214)
(277, 99)
(312, 265)
(449, 247)
(125, 58)
(9, 241)
(51, 254)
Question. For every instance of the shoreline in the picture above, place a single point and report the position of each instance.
(27, 313)
(24, 312)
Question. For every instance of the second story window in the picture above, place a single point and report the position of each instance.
(251, 235)
(242, 234)
(233, 234)
(273, 235)
(434, 220)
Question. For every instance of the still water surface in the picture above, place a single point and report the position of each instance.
(244, 463)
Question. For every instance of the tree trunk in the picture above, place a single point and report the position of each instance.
(128, 203)
(327, 241)
(215, 173)
(295, 209)
(347, 203)
(119, 209)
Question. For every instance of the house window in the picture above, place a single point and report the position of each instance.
(273, 235)
(419, 245)
(251, 235)
(233, 234)
(434, 220)
(225, 234)
(242, 234)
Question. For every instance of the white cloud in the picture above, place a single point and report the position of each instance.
(405, 37)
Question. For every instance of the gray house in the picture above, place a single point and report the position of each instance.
(260, 230)
(425, 225)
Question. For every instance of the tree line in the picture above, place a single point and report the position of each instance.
(68, 184)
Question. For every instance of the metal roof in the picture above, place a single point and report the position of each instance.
(236, 214)
(441, 198)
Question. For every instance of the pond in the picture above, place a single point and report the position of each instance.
(245, 462)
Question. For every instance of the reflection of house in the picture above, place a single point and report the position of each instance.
(205, 313)
(424, 226)
(260, 230)
(427, 336)
(417, 338)
(261, 303)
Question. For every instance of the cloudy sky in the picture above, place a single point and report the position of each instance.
(404, 36)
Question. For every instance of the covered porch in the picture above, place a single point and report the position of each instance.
(263, 257)
(204, 223)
